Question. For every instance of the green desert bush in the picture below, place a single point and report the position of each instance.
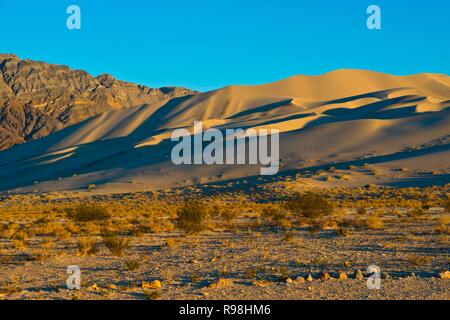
(86, 213)
(309, 204)
(192, 217)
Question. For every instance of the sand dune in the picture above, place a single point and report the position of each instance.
(336, 118)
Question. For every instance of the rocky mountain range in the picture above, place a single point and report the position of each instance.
(38, 98)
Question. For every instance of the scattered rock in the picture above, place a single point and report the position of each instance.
(289, 281)
(444, 275)
(221, 283)
(112, 286)
(324, 276)
(156, 284)
(343, 276)
(94, 287)
(299, 280)
(309, 278)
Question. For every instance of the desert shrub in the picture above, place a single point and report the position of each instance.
(361, 211)
(52, 228)
(87, 247)
(443, 225)
(447, 205)
(315, 228)
(444, 220)
(20, 235)
(154, 225)
(8, 230)
(19, 244)
(228, 214)
(171, 242)
(417, 212)
(289, 236)
(117, 246)
(420, 261)
(356, 223)
(343, 232)
(71, 227)
(329, 224)
(442, 229)
(192, 217)
(275, 212)
(426, 205)
(91, 228)
(132, 264)
(86, 213)
(309, 204)
(251, 273)
(373, 222)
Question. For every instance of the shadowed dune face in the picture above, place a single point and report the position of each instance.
(335, 119)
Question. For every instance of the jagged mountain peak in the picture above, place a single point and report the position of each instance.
(47, 97)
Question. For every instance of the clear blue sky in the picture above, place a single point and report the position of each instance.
(205, 44)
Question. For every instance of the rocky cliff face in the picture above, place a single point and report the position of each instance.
(37, 98)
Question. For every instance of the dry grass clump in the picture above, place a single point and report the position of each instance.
(171, 243)
(87, 247)
(19, 244)
(20, 235)
(417, 212)
(192, 217)
(442, 229)
(132, 264)
(227, 213)
(153, 225)
(117, 246)
(52, 228)
(309, 204)
(374, 223)
(87, 213)
(361, 211)
(91, 228)
(329, 224)
(289, 237)
(8, 230)
(277, 214)
(343, 232)
(447, 205)
(420, 261)
(443, 225)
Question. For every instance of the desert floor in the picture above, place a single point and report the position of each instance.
(246, 250)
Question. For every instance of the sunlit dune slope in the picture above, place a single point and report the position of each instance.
(335, 118)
